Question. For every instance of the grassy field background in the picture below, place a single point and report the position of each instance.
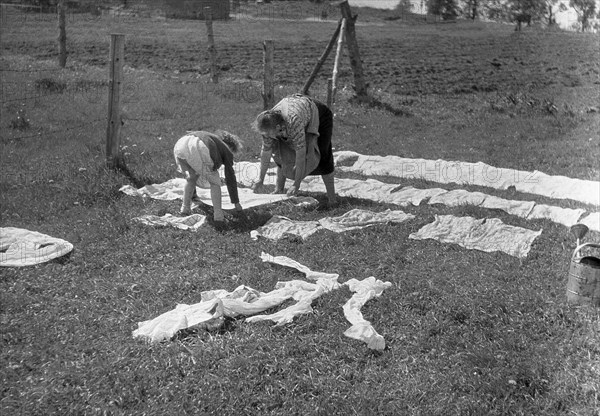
(467, 332)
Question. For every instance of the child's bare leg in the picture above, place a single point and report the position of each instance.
(215, 196)
(328, 180)
(190, 187)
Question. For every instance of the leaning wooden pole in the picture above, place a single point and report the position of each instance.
(113, 130)
(322, 59)
(360, 85)
(336, 63)
(62, 34)
(268, 75)
(212, 51)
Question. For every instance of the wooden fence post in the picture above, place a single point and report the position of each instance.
(268, 84)
(62, 34)
(336, 63)
(212, 51)
(113, 130)
(322, 59)
(359, 82)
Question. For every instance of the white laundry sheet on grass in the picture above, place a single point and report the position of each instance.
(21, 247)
(215, 305)
(592, 221)
(403, 196)
(278, 226)
(173, 189)
(467, 173)
(191, 222)
(488, 234)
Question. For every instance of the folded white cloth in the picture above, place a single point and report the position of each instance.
(488, 234)
(20, 247)
(191, 222)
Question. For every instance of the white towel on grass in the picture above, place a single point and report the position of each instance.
(592, 221)
(488, 234)
(20, 247)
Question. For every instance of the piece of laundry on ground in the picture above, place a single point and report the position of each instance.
(191, 222)
(303, 201)
(173, 189)
(20, 247)
(559, 215)
(361, 329)
(374, 190)
(360, 218)
(287, 262)
(279, 227)
(488, 234)
(468, 173)
(592, 221)
(460, 197)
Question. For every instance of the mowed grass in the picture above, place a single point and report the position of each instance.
(467, 332)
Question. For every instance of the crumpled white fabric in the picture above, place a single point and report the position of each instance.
(217, 304)
(20, 247)
(361, 329)
(364, 290)
(191, 222)
(278, 226)
(287, 262)
(360, 218)
(488, 234)
(467, 173)
(173, 189)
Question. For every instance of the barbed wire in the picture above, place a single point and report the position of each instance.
(55, 132)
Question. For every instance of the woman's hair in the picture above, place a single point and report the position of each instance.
(231, 140)
(267, 120)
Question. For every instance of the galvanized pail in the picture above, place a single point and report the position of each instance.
(583, 286)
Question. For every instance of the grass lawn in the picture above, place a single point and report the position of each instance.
(467, 332)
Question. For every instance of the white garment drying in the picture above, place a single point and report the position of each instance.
(20, 247)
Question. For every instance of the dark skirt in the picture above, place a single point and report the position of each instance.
(324, 140)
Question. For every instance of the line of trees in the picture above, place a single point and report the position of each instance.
(518, 11)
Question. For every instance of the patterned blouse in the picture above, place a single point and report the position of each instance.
(301, 116)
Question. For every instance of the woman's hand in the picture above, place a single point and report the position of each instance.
(293, 191)
(238, 207)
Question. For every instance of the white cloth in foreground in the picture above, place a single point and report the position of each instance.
(467, 173)
(278, 226)
(20, 247)
(173, 189)
(488, 234)
(215, 305)
(362, 329)
(364, 290)
(191, 222)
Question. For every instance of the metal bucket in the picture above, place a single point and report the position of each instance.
(583, 286)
